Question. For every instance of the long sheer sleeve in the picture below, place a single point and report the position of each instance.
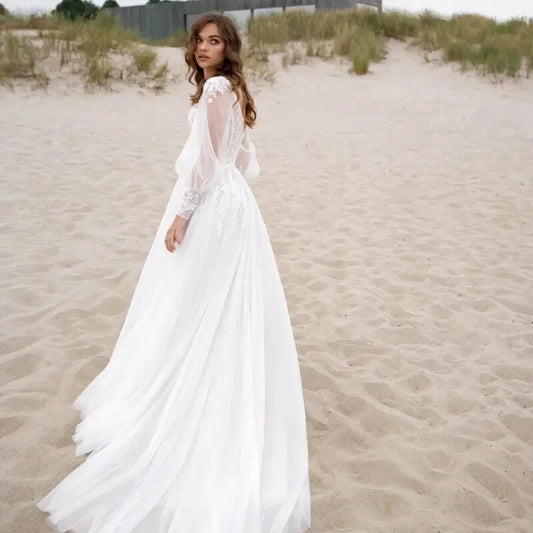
(247, 159)
(202, 154)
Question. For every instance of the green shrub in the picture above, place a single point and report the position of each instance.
(73, 9)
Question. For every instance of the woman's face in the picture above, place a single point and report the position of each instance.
(210, 45)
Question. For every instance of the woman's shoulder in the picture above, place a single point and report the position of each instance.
(216, 84)
(219, 85)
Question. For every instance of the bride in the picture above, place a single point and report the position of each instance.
(197, 423)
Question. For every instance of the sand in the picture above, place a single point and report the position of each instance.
(399, 209)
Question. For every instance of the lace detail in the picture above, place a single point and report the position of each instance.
(234, 134)
(188, 203)
(212, 86)
(215, 85)
(230, 199)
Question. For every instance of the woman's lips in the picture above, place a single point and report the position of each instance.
(202, 57)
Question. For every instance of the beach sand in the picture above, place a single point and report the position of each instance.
(399, 209)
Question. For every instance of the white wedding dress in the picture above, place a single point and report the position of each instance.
(197, 423)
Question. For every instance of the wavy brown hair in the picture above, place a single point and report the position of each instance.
(231, 67)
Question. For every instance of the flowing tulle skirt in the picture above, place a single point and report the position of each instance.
(197, 423)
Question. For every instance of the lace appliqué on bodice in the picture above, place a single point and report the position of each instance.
(230, 198)
(235, 126)
(234, 134)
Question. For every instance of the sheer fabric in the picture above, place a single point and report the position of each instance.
(197, 423)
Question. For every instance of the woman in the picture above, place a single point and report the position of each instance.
(197, 423)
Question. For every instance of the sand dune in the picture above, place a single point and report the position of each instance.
(399, 208)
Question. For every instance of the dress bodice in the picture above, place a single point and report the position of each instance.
(233, 132)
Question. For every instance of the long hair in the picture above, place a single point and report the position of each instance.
(231, 67)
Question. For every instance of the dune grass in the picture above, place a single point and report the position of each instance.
(86, 47)
(18, 59)
(481, 43)
(177, 40)
(144, 60)
(474, 41)
(92, 47)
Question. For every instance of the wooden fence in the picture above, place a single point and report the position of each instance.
(158, 21)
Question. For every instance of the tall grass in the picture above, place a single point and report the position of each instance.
(490, 47)
(93, 38)
(361, 45)
(481, 43)
(85, 46)
(18, 59)
(90, 48)
(351, 32)
(177, 39)
(474, 41)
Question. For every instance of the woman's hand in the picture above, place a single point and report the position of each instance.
(176, 233)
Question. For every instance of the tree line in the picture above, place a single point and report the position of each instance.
(84, 9)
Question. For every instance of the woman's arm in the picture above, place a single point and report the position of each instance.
(202, 154)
